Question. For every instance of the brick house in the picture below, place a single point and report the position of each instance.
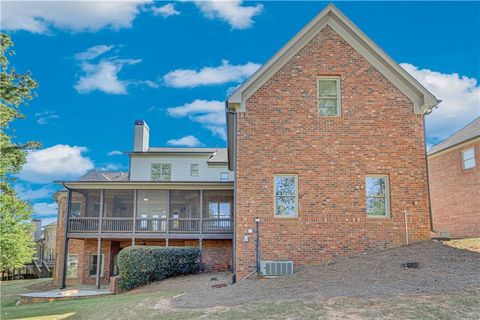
(327, 143)
(326, 154)
(454, 176)
(169, 197)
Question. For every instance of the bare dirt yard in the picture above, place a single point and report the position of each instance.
(441, 269)
(445, 285)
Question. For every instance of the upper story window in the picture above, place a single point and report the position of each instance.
(161, 171)
(286, 195)
(378, 203)
(224, 176)
(329, 102)
(194, 170)
(468, 158)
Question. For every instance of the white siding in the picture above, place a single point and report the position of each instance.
(140, 167)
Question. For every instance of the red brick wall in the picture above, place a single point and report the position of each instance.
(280, 132)
(455, 193)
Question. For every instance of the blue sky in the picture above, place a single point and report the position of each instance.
(100, 66)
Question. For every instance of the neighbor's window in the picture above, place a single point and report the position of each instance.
(286, 195)
(224, 176)
(194, 170)
(468, 158)
(72, 265)
(377, 196)
(93, 265)
(75, 209)
(161, 171)
(329, 102)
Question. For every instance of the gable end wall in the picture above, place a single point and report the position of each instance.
(280, 132)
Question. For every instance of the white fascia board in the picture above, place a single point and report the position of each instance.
(422, 99)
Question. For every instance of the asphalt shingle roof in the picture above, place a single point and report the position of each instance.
(98, 175)
(469, 132)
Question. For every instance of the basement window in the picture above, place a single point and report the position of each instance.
(378, 203)
(468, 158)
(92, 270)
(286, 196)
(329, 102)
(72, 266)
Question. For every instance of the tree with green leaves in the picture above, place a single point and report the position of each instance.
(16, 230)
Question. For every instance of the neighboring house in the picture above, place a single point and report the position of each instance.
(328, 146)
(327, 143)
(454, 173)
(44, 237)
(169, 197)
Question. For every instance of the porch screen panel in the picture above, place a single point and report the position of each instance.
(85, 203)
(118, 203)
(152, 210)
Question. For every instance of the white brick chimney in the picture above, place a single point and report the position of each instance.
(141, 136)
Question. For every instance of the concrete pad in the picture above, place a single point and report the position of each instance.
(61, 294)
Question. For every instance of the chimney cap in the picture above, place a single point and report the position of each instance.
(140, 122)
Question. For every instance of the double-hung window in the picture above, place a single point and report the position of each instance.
(468, 158)
(161, 171)
(286, 195)
(378, 202)
(329, 96)
(194, 170)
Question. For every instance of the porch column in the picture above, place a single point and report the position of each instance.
(168, 218)
(99, 263)
(134, 226)
(100, 214)
(65, 244)
(200, 239)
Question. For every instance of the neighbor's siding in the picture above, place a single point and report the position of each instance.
(141, 167)
(455, 193)
(280, 132)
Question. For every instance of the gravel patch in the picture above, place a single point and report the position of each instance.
(441, 269)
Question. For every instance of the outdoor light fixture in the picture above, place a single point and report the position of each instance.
(145, 199)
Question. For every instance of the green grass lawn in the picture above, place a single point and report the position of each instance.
(156, 305)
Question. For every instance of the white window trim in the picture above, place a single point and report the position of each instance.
(339, 95)
(76, 273)
(387, 196)
(275, 196)
(463, 158)
(191, 171)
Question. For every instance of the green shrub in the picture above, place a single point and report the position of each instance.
(140, 265)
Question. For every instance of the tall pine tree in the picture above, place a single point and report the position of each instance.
(16, 238)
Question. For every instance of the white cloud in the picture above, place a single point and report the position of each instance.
(231, 11)
(26, 192)
(77, 16)
(93, 52)
(44, 209)
(115, 153)
(211, 114)
(187, 141)
(460, 97)
(57, 162)
(104, 74)
(225, 73)
(165, 10)
(46, 117)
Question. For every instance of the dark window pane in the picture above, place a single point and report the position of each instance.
(285, 205)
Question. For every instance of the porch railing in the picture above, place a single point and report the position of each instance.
(83, 224)
(152, 225)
